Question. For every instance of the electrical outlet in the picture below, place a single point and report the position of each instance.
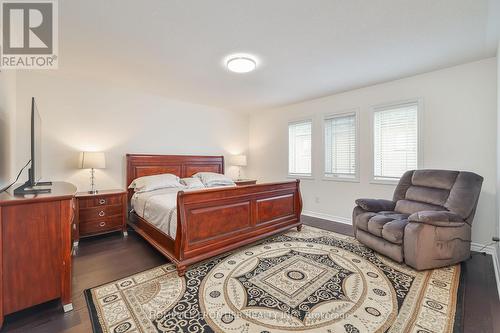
(495, 239)
(316, 200)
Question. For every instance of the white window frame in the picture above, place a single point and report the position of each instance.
(420, 154)
(300, 175)
(343, 113)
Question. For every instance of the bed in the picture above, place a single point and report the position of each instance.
(208, 222)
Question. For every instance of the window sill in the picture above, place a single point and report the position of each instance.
(300, 177)
(384, 181)
(338, 179)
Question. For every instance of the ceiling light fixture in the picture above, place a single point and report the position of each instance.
(241, 64)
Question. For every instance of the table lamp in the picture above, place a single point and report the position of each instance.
(93, 160)
(239, 161)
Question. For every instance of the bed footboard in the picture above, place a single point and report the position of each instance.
(211, 222)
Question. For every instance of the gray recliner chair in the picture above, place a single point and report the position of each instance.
(428, 222)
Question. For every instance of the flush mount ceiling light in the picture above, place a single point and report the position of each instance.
(241, 64)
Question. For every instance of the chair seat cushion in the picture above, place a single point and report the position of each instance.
(376, 224)
(362, 220)
(388, 225)
(394, 231)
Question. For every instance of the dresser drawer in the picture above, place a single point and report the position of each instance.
(94, 213)
(102, 225)
(97, 201)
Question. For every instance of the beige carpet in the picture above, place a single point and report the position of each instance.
(313, 280)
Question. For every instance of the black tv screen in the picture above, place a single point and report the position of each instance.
(35, 171)
(36, 144)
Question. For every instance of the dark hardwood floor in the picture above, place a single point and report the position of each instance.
(103, 259)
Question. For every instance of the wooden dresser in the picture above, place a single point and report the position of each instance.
(100, 213)
(35, 237)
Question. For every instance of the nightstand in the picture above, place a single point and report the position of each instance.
(100, 213)
(241, 182)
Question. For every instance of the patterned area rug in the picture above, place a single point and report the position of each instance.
(313, 280)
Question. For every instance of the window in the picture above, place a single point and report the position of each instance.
(395, 140)
(341, 147)
(299, 148)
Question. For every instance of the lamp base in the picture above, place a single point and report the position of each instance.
(92, 182)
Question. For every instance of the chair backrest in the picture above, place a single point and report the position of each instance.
(455, 191)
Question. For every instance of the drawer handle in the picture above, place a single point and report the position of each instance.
(102, 213)
(102, 224)
(102, 201)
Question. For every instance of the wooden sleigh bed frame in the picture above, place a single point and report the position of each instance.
(214, 221)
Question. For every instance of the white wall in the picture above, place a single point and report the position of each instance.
(498, 158)
(81, 115)
(7, 125)
(458, 129)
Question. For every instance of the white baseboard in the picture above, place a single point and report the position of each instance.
(327, 217)
(490, 249)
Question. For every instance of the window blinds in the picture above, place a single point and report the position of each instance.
(299, 148)
(340, 146)
(395, 140)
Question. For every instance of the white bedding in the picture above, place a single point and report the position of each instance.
(159, 207)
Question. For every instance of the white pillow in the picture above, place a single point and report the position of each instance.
(211, 179)
(192, 182)
(155, 182)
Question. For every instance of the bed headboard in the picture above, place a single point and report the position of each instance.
(139, 165)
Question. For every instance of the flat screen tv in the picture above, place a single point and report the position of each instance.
(33, 185)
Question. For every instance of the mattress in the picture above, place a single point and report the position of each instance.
(159, 207)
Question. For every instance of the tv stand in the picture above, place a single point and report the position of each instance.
(28, 188)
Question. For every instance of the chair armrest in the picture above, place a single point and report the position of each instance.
(376, 205)
(437, 218)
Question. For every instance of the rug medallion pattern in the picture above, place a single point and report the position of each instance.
(308, 281)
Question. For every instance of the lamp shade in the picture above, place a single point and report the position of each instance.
(93, 160)
(239, 160)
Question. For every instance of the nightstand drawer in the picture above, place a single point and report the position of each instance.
(102, 225)
(87, 214)
(100, 201)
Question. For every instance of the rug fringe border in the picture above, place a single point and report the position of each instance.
(94, 320)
